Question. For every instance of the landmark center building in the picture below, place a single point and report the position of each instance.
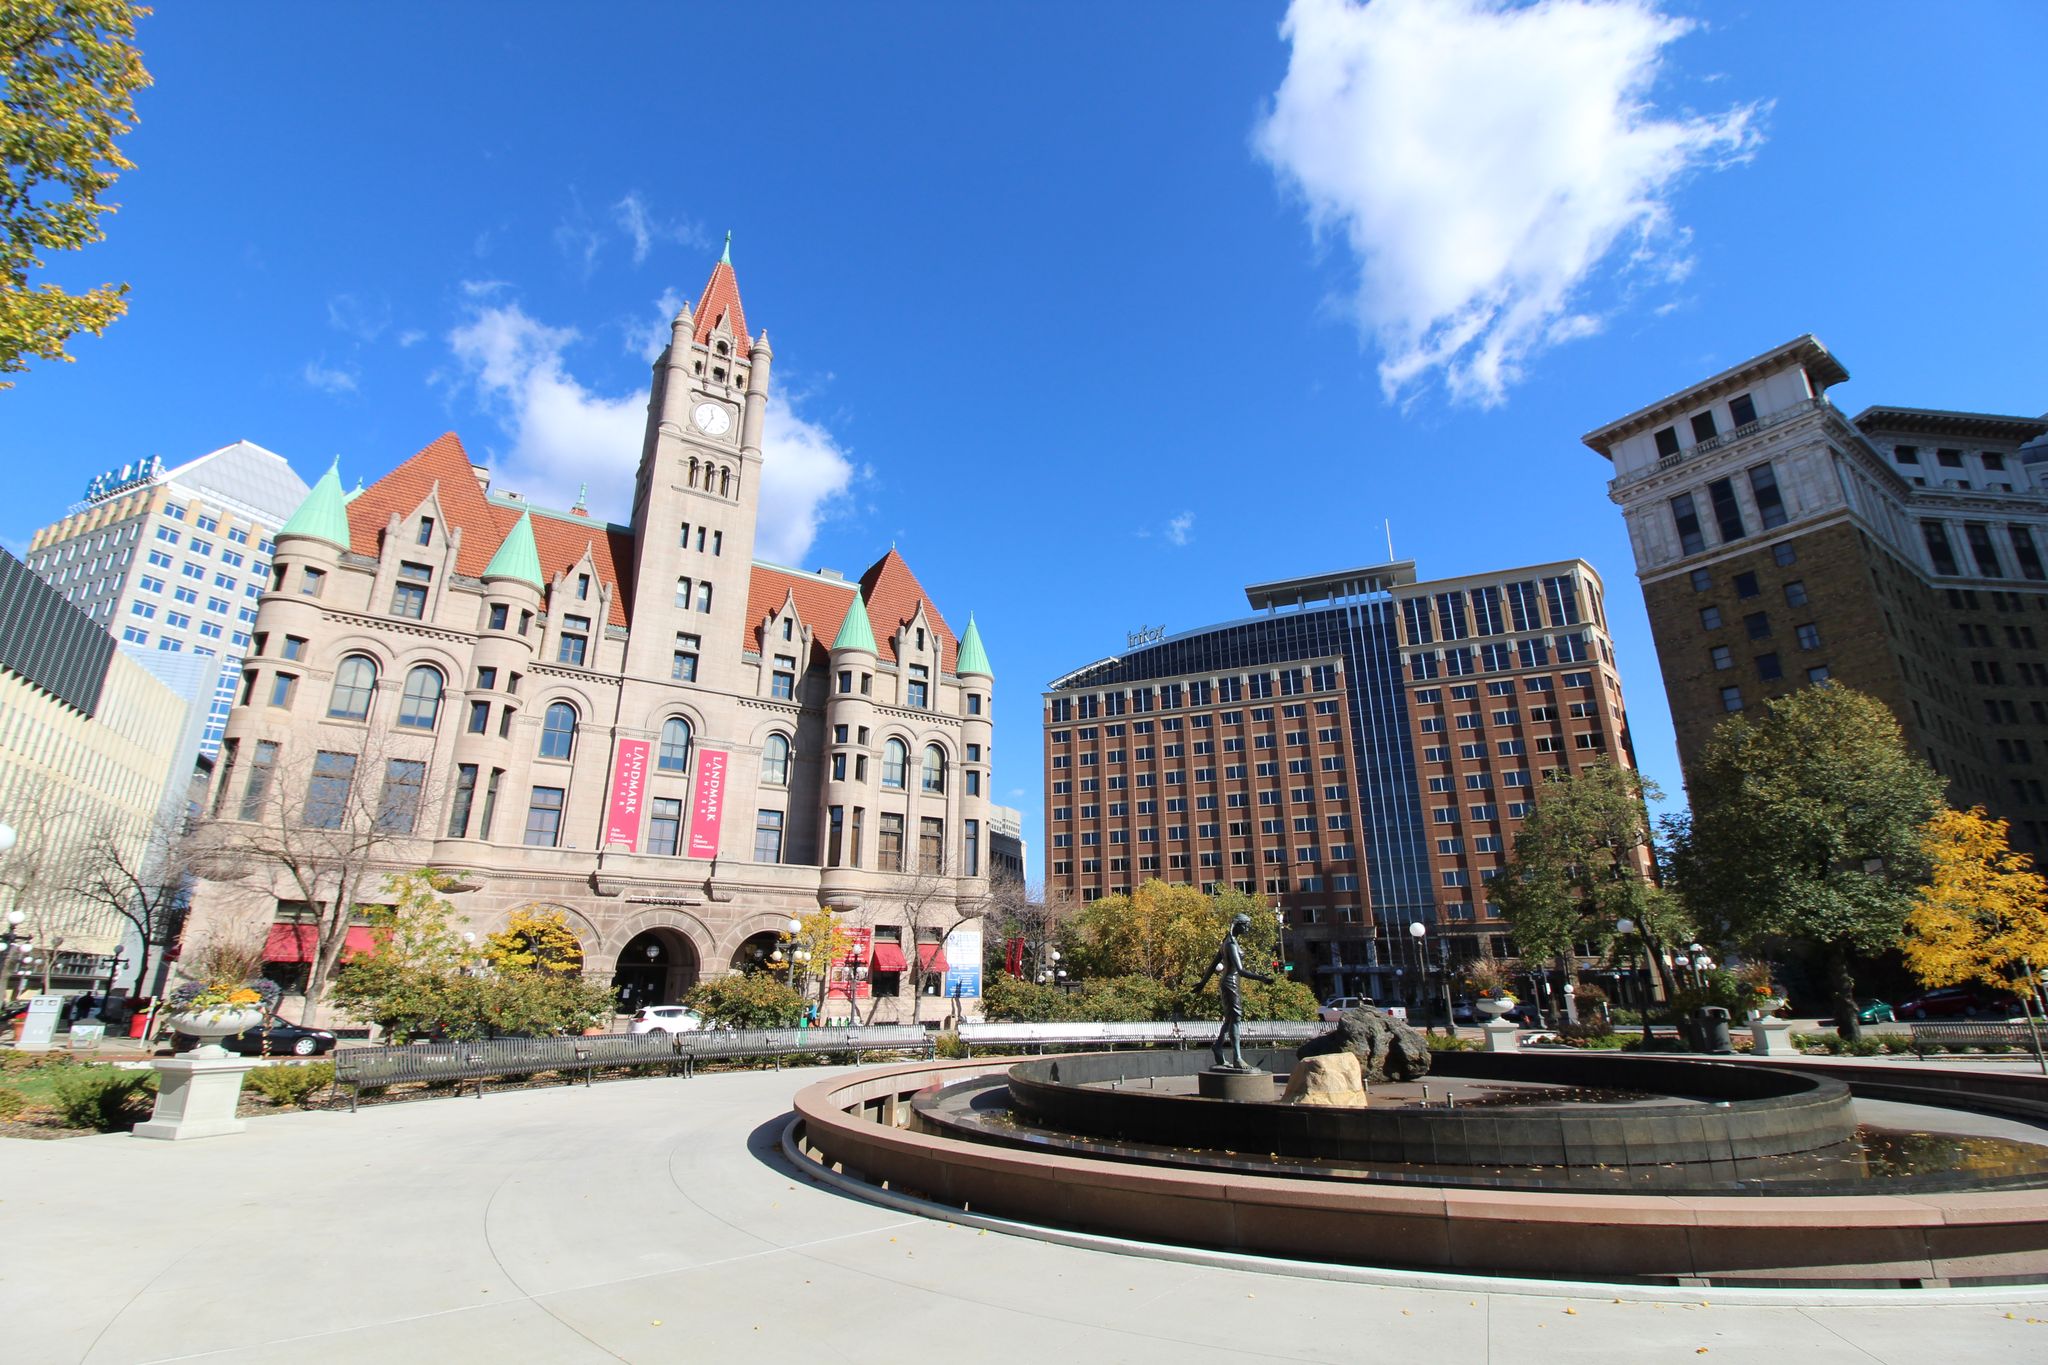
(640, 726)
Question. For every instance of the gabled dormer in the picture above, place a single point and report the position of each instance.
(785, 651)
(578, 605)
(919, 652)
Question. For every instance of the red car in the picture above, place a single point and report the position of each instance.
(1959, 1002)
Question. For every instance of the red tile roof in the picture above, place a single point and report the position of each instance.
(821, 602)
(893, 594)
(561, 539)
(721, 297)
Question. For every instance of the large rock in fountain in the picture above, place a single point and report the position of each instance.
(1386, 1048)
(1334, 1080)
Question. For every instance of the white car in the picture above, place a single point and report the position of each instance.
(666, 1019)
(1337, 1008)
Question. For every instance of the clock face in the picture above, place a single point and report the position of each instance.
(713, 419)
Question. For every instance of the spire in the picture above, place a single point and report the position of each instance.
(854, 631)
(324, 513)
(721, 299)
(972, 658)
(518, 558)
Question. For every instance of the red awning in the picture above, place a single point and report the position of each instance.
(297, 942)
(931, 957)
(889, 957)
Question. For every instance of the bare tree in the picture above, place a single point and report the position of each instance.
(147, 883)
(1011, 913)
(327, 824)
(39, 874)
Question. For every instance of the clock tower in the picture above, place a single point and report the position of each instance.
(698, 492)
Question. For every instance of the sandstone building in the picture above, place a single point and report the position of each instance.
(1360, 750)
(1781, 543)
(640, 725)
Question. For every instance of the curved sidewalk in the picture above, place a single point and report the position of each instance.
(654, 1220)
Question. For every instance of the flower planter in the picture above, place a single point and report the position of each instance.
(209, 1026)
(1493, 1008)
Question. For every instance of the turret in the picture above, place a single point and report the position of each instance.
(847, 811)
(977, 738)
(309, 545)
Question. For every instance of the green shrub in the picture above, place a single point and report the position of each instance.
(12, 1104)
(747, 1000)
(1440, 1043)
(948, 1045)
(1865, 1047)
(102, 1098)
(1956, 1045)
(1895, 1043)
(291, 1085)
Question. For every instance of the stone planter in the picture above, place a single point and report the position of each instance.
(211, 1025)
(1493, 1008)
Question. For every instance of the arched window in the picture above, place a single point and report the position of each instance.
(355, 682)
(675, 745)
(558, 731)
(725, 483)
(895, 758)
(934, 769)
(420, 707)
(775, 761)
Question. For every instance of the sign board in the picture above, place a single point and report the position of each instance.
(963, 962)
(86, 1037)
(849, 979)
(708, 808)
(629, 795)
(39, 1025)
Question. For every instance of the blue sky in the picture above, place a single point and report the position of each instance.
(1097, 312)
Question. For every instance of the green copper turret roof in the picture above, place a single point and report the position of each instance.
(324, 513)
(854, 631)
(973, 658)
(518, 557)
(725, 258)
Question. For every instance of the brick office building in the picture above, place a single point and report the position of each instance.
(1781, 543)
(641, 726)
(1361, 751)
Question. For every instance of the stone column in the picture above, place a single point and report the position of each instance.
(1773, 1036)
(196, 1098)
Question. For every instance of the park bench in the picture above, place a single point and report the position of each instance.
(1978, 1033)
(1169, 1033)
(477, 1061)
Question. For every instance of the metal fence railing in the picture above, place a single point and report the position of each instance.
(1175, 1033)
(486, 1059)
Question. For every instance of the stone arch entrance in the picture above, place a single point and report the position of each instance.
(657, 966)
(758, 951)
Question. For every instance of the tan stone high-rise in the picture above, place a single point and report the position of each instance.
(1781, 543)
(674, 744)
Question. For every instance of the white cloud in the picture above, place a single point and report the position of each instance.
(645, 230)
(564, 434)
(1481, 160)
(327, 378)
(650, 332)
(411, 337)
(365, 320)
(1180, 530)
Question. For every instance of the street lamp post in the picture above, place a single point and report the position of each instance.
(1418, 933)
(14, 919)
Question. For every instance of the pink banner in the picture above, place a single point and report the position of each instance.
(629, 794)
(709, 808)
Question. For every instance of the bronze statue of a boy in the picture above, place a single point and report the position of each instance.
(1230, 962)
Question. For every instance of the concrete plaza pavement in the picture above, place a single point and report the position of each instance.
(655, 1220)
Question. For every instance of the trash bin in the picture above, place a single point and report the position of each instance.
(1710, 1030)
(138, 1022)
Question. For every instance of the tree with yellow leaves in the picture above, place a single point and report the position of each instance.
(535, 941)
(1983, 915)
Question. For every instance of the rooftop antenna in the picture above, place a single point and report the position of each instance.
(1390, 539)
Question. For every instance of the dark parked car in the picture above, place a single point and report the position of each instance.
(279, 1038)
(1959, 1002)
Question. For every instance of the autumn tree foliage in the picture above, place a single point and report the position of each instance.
(68, 76)
(1983, 915)
(535, 941)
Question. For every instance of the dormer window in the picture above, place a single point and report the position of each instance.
(918, 689)
(920, 639)
(426, 531)
(788, 629)
(582, 587)
(723, 349)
